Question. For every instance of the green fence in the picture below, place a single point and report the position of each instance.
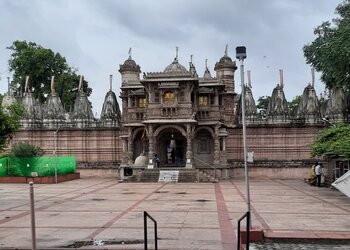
(43, 166)
(3, 166)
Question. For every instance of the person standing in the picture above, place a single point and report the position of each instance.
(318, 172)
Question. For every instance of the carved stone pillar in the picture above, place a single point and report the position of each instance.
(130, 147)
(217, 147)
(150, 146)
(189, 158)
(125, 151)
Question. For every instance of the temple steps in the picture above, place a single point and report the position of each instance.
(185, 175)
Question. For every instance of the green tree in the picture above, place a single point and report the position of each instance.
(9, 121)
(40, 64)
(334, 141)
(262, 105)
(329, 53)
(23, 149)
(293, 105)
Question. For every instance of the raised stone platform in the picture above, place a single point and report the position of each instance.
(40, 179)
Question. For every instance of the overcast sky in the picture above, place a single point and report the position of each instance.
(95, 36)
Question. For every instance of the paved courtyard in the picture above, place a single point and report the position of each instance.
(189, 215)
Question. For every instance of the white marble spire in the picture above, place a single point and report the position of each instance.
(110, 82)
(313, 77)
(53, 91)
(26, 85)
(281, 78)
(249, 79)
(226, 47)
(80, 89)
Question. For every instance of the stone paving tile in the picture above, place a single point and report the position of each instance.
(187, 213)
(301, 246)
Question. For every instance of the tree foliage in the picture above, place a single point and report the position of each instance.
(329, 53)
(23, 149)
(9, 121)
(40, 64)
(262, 104)
(293, 105)
(332, 142)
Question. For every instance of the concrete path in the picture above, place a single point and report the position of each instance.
(189, 215)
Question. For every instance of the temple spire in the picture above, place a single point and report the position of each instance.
(53, 92)
(226, 49)
(110, 82)
(206, 64)
(177, 54)
(313, 77)
(191, 58)
(129, 53)
(80, 88)
(281, 78)
(249, 79)
(26, 85)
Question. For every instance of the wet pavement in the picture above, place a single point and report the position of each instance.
(189, 215)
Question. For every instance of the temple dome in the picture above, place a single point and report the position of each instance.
(225, 62)
(175, 67)
(129, 65)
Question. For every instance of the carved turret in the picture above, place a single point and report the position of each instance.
(225, 70)
(110, 114)
(308, 106)
(250, 106)
(9, 98)
(193, 68)
(130, 71)
(336, 105)
(53, 112)
(82, 115)
(32, 116)
(207, 74)
(277, 108)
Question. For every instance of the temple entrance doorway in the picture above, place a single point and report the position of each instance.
(171, 148)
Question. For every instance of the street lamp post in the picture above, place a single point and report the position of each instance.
(241, 55)
(55, 151)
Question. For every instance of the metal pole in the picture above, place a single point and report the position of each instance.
(32, 213)
(145, 229)
(55, 154)
(244, 135)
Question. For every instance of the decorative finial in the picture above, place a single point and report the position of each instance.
(53, 92)
(26, 85)
(206, 64)
(110, 82)
(130, 53)
(191, 59)
(249, 79)
(177, 54)
(80, 89)
(313, 77)
(281, 78)
(226, 49)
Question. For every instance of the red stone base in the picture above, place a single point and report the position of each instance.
(40, 179)
(256, 235)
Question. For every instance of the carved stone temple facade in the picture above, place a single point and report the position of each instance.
(176, 118)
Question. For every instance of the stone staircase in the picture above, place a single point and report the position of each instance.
(185, 175)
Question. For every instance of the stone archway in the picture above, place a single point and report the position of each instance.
(171, 146)
(203, 147)
(140, 144)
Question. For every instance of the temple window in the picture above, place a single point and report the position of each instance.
(182, 96)
(203, 146)
(212, 100)
(142, 102)
(133, 102)
(169, 97)
(156, 97)
(203, 101)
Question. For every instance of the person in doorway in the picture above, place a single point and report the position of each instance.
(318, 172)
(173, 155)
(156, 160)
